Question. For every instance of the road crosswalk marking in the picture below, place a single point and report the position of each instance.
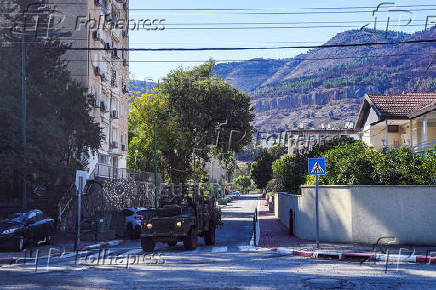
(219, 249)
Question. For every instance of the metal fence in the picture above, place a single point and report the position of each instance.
(109, 172)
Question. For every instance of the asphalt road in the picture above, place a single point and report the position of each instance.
(231, 263)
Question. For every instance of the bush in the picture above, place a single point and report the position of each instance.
(402, 166)
(358, 163)
(290, 172)
(273, 186)
(351, 164)
(242, 183)
(222, 201)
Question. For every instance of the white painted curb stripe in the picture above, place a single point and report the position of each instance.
(396, 258)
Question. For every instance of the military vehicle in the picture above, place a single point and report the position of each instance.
(182, 218)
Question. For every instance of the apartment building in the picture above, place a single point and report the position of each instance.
(101, 26)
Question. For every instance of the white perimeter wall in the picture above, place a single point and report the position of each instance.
(363, 213)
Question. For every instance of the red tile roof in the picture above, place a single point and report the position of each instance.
(402, 105)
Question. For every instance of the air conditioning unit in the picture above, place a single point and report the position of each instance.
(103, 106)
(114, 144)
(115, 53)
(125, 62)
(124, 147)
(96, 35)
(93, 101)
(97, 70)
(115, 114)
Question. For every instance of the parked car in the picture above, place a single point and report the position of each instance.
(236, 193)
(133, 219)
(25, 228)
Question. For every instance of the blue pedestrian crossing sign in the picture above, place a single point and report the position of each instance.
(317, 166)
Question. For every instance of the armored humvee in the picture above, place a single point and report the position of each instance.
(183, 218)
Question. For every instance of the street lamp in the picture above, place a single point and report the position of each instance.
(156, 198)
(23, 101)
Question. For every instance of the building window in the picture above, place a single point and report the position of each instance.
(103, 159)
(114, 78)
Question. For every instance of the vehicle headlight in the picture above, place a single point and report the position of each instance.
(9, 231)
(149, 226)
(179, 224)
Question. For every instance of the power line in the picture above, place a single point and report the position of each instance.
(271, 27)
(252, 48)
(241, 60)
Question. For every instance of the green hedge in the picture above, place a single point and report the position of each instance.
(359, 164)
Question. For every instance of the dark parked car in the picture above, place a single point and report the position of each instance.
(23, 228)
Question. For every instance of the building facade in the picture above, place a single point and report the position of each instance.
(100, 35)
(398, 120)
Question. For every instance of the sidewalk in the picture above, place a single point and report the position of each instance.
(273, 234)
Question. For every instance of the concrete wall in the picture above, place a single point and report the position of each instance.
(363, 213)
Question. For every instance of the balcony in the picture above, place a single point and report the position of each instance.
(105, 171)
(114, 145)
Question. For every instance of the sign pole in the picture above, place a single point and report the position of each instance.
(79, 207)
(317, 166)
(316, 212)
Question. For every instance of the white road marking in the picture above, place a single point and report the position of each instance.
(246, 248)
(219, 249)
(133, 252)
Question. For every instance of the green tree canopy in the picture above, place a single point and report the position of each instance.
(242, 183)
(195, 112)
(261, 170)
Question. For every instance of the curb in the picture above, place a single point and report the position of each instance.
(8, 260)
(102, 245)
(356, 256)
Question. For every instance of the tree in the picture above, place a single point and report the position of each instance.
(173, 140)
(60, 131)
(261, 170)
(196, 113)
(289, 172)
(242, 182)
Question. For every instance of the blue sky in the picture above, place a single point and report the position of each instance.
(313, 35)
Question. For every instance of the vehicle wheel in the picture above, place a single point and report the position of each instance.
(147, 244)
(172, 243)
(190, 241)
(19, 245)
(130, 233)
(209, 236)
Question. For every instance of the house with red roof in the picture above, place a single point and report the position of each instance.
(407, 119)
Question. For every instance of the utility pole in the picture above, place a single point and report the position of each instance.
(23, 118)
(156, 198)
(24, 105)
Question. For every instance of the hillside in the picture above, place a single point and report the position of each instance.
(136, 85)
(326, 85)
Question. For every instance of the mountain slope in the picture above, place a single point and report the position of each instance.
(326, 85)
